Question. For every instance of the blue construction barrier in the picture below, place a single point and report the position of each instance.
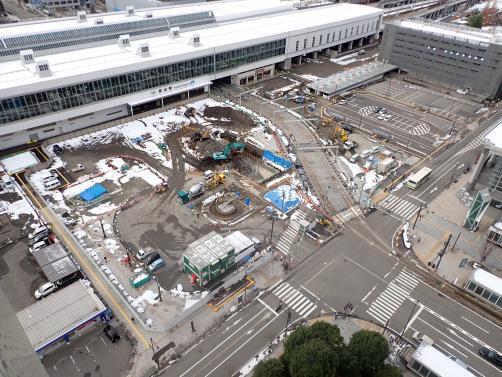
(93, 192)
(275, 160)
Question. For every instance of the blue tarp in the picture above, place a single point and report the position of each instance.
(278, 161)
(93, 192)
(284, 198)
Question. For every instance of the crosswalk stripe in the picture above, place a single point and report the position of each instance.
(378, 316)
(381, 307)
(298, 298)
(395, 205)
(281, 295)
(402, 207)
(302, 306)
(288, 295)
(292, 297)
(391, 298)
(396, 287)
(280, 288)
(404, 284)
(409, 279)
(396, 291)
(295, 306)
(310, 311)
(306, 308)
(409, 214)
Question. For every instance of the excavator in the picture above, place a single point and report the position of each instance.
(215, 180)
(228, 150)
(341, 134)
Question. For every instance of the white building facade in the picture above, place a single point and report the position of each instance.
(48, 95)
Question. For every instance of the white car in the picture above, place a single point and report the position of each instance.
(374, 149)
(381, 117)
(37, 246)
(365, 153)
(44, 290)
(142, 254)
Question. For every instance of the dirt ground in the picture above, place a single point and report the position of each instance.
(234, 120)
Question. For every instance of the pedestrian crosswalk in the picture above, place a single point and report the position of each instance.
(389, 301)
(289, 236)
(294, 299)
(471, 145)
(420, 129)
(399, 206)
(412, 160)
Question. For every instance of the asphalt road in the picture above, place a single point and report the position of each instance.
(359, 271)
(404, 203)
(408, 129)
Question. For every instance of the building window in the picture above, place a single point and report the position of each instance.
(320, 39)
(297, 45)
(333, 37)
(357, 30)
(313, 41)
(351, 31)
(305, 43)
(89, 92)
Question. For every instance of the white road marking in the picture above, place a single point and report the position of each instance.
(371, 290)
(224, 341)
(472, 323)
(267, 306)
(310, 292)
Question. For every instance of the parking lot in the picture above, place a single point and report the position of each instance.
(419, 132)
(91, 354)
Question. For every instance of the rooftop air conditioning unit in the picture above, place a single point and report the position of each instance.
(43, 68)
(27, 56)
(129, 11)
(194, 40)
(144, 50)
(174, 32)
(81, 16)
(124, 41)
(98, 21)
(148, 15)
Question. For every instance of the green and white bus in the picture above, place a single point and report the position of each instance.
(416, 179)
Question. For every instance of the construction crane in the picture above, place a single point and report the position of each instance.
(228, 150)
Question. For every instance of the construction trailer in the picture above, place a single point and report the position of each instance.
(208, 258)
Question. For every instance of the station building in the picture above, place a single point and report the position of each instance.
(46, 92)
(454, 56)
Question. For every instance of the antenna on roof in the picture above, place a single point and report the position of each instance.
(124, 41)
(81, 16)
(129, 11)
(98, 21)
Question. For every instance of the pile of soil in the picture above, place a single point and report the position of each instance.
(238, 121)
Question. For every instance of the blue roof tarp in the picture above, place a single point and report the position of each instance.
(277, 161)
(284, 198)
(93, 192)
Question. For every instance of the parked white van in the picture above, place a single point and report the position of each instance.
(51, 185)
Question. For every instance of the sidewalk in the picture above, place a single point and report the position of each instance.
(444, 216)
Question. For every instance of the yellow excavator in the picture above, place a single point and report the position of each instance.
(341, 134)
(215, 180)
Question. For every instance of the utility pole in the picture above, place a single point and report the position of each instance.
(409, 319)
(158, 287)
(454, 243)
(418, 216)
(102, 228)
(360, 121)
(245, 286)
(154, 357)
(385, 327)
(288, 318)
(443, 250)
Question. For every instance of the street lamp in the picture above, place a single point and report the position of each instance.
(159, 293)
(409, 319)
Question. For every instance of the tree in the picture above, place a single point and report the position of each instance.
(388, 371)
(369, 350)
(476, 20)
(313, 359)
(270, 368)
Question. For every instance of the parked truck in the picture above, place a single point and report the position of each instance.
(194, 191)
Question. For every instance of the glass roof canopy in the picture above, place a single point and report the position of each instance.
(73, 37)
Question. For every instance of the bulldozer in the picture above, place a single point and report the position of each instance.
(216, 180)
(341, 134)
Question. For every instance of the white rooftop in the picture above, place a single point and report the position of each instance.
(487, 280)
(439, 363)
(494, 137)
(19, 162)
(207, 250)
(222, 10)
(59, 313)
(103, 61)
(449, 31)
